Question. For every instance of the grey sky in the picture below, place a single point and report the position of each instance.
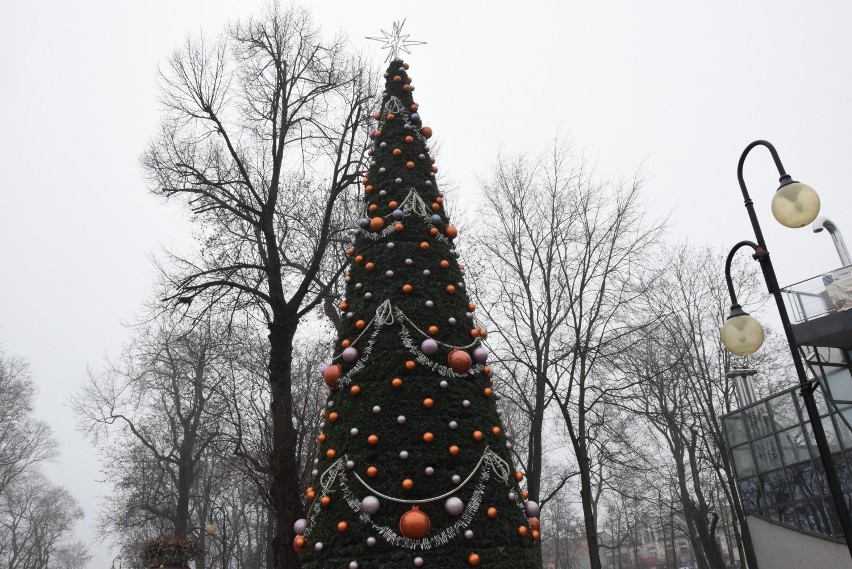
(676, 87)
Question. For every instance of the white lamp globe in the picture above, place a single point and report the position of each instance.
(742, 335)
(795, 205)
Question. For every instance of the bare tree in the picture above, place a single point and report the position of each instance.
(683, 391)
(35, 517)
(25, 442)
(568, 256)
(156, 408)
(264, 132)
(72, 555)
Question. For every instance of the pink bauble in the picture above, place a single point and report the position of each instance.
(300, 526)
(429, 346)
(480, 355)
(350, 354)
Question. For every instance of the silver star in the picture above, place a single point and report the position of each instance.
(396, 41)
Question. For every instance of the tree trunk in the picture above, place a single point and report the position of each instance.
(184, 486)
(588, 510)
(286, 502)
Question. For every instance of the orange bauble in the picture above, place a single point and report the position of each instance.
(310, 493)
(525, 494)
(372, 208)
(451, 289)
(409, 138)
(488, 392)
(445, 264)
(451, 232)
(410, 365)
(359, 259)
(428, 437)
(471, 307)
(344, 305)
(495, 430)
(427, 132)
(519, 475)
(407, 484)
(372, 472)
(355, 390)
(360, 324)
(406, 87)
(398, 227)
(459, 361)
(333, 416)
(414, 106)
(454, 450)
(397, 78)
(392, 205)
(397, 151)
(523, 531)
(299, 543)
(535, 524)
(473, 559)
(433, 231)
(436, 206)
(492, 512)
(345, 343)
(406, 66)
(536, 534)
(377, 115)
(428, 403)
(477, 435)
(433, 330)
(321, 438)
(332, 374)
(407, 288)
(342, 526)
(414, 524)
(409, 165)
(424, 245)
(397, 382)
(377, 224)
(325, 501)
(373, 439)
(370, 266)
(391, 116)
(330, 453)
(369, 189)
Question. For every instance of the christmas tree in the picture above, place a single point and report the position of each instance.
(414, 467)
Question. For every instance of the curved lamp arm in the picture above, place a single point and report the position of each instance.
(758, 250)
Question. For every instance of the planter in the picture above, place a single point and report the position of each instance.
(171, 551)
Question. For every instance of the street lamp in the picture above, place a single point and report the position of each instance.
(794, 205)
(212, 529)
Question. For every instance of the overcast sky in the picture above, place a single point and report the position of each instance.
(677, 87)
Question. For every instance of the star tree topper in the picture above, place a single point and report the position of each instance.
(396, 41)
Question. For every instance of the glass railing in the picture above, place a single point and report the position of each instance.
(819, 296)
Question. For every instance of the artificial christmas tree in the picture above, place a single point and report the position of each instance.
(414, 467)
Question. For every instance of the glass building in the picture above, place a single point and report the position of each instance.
(777, 465)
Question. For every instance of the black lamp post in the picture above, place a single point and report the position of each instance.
(213, 528)
(794, 205)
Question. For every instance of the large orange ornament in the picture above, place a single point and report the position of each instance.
(377, 224)
(428, 437)
(427, 132)
(414, 524)
(452, 232)
(372, 471)
(535, 524)
(459, 361)
(473, 559)
(299, 543)
(342, 526)
(407, 484)
(523, 531)
(332, 374)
